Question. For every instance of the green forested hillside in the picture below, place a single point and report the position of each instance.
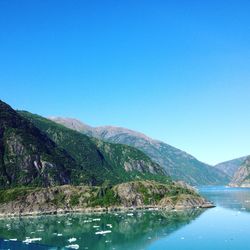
(102, 161)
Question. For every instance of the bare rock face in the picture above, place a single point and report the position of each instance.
(129, 158)
(27, 156)
(128, 195)
(185, 185)
(140, 166)
(230, 167)
(167, 197)
(23, 161)
(242, 175)
(188, 201)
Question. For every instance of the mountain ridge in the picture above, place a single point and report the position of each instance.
(241, 177)
(104, 161)
(231, 166)
(177, 163)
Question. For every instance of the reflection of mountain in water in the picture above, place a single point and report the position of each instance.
(232, 198)
(128, 231)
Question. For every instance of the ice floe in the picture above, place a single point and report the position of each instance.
(103, 232)
(73, 246)
(87, 221)
(30, 240)
(71, 240)
(97, 219)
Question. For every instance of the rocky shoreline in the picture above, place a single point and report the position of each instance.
(104, 210)
(139, 195)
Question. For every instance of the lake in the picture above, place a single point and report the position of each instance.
(225, 227)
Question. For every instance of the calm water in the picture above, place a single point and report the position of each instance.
(225, 227)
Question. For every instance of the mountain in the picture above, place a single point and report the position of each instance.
(35, 151)
(48, 168)
(28, 156)
(230, 167)
(178, 164)
(242, 176)
(101, 161)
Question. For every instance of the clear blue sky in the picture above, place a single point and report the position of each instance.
(178, 71)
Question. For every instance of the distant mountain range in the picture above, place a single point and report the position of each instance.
(241, 176)
(230, 167)
(177, 163)
(238, 171)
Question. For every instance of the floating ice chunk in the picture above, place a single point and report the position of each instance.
(103, 232)
(87, 221)
(30, 240)
(73, 246)
(71, 240)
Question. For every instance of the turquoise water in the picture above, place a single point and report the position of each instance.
(225, 227)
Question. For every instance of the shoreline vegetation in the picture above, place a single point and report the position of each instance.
(130, 196)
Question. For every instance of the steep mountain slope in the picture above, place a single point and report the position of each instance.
(230, 167)
(178, 164)
(242, 175)
(27, 156)
(102, 161)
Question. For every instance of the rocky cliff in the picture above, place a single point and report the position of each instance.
(27, 156)
(241, 177)
(131, 195)
(230, 167)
